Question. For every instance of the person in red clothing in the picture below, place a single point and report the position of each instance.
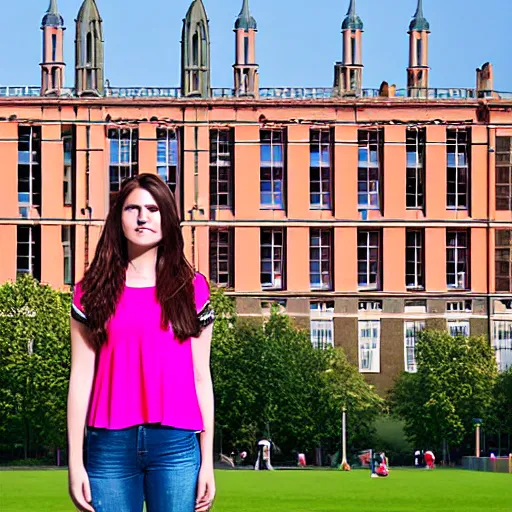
(430, 459)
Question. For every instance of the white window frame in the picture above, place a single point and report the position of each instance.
(462, 325)
(416, 326)
(369, 346)
(164, 166)
(217, 260)
(502, 344)
(277, 282)
(458, 306)
(125, 147)
(317, 233)
(68, 255)
(503, 161)
(367, 260)
(419, 279)
(418, 167)
(366, 148)
(221, 159)
(67, 148)
(322, 324)
(274, 165)
(325, 186)
(465, 147)
(457, 249)
(34, 166)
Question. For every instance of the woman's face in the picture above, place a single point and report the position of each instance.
(141, 219)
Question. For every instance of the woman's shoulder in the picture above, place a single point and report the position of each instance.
(77, 309)
(201, 292)
(200, 280)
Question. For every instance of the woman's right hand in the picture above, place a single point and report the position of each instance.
(80, 489)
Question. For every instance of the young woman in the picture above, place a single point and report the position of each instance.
(140, 383)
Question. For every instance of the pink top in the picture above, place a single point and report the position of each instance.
(143, 374)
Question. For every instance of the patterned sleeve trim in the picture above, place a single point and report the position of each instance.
(78, 315)
(206, 316)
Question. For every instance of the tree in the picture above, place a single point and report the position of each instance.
(270, 381)
(453, 385)
(35, 361)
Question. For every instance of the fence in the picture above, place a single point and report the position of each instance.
(495, 465)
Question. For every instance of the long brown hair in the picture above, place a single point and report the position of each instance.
(104, 280)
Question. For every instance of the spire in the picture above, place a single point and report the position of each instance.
(89, 50)
(52, 18)
(89, 11)
(195, 52)
(419, 22)
(245, 20)
(352, 20)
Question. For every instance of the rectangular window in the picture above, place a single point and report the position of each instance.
(412, 329)
(459, 306)
(457, 259)
(368, 259)
(221, 169)
(29, 169)
(54, 50)
(67, 142)
(370, 305)
(414, 273)
(272, 169)
(222, 257)
(369, 346)
(502, 342)
(458, 327)
(415, 306)
(458, 147)
(272, 259)
(320, 259)
(415, 191)
(68, 254)
(322, 324)
(369, 181)
(503, 254)
(320, 170)
(28, 251)
(168, 157)
(504, 173)
(124, 156)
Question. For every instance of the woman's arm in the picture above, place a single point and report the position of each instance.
(83, 359)
(201, 348)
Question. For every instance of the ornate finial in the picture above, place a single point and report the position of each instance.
(419, 22)
(352, 20)
(245, 20)
(52, 18)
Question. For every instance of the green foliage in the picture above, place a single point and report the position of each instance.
(270, 381)
(453, 384)
(35, 361)
(501, 420)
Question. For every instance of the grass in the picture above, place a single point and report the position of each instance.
(442, 490)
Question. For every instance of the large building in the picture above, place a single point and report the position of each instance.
(367, 214)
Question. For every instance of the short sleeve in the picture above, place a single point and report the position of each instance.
(204, 308)
(77, 310)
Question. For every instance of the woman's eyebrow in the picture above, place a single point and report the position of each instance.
(134, 205)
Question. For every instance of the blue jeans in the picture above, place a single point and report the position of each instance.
(154, 463)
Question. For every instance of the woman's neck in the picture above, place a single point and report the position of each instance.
(141, 269)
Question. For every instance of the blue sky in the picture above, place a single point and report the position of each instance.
(298, 41)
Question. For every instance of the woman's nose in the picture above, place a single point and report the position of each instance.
(142, 218)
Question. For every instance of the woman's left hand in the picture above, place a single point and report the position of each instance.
(205, 489)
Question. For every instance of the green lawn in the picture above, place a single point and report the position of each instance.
(300, 491)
